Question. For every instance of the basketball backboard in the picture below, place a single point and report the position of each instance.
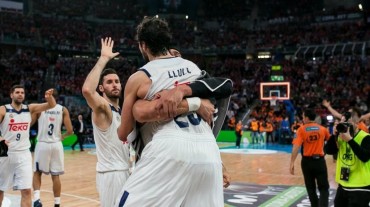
(275, 90)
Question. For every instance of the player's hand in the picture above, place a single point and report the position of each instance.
(326, 103)
(226, 177)
(206, 111)
(5, 141)
(49, 93)
(61, 136)
(292, 168)
(107, 48)
(167, 103)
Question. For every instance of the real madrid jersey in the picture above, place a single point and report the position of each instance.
(111, 152)
(50, 124)
(15, 128)
(166, 74)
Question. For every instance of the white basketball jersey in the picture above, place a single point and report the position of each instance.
(165, 74)
(111, 152)
(15, 128)
(50, 124)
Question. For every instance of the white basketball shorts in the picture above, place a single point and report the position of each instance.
(16, 171)
(109, 185)
(49, 158)
(176, 170)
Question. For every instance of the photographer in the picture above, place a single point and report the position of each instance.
(353, 165)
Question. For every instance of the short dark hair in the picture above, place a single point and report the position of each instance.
(106, 72)
(156, 35)
(15, 87)
(310, 114)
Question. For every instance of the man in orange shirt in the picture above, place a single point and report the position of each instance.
(312, 136)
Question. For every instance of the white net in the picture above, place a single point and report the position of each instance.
(273, 101)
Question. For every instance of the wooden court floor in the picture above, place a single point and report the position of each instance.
(78, 182)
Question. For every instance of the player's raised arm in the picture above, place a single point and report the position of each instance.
(94, 100)
(50, 103)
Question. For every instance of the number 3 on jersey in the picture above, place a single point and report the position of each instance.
(51, 128)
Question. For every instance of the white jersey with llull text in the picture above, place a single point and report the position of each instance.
(50, 124)
(15, 128)
(166, 74)
(112, 153)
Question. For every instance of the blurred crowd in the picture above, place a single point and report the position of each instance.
(217, 43)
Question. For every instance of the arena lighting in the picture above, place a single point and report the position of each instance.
(264, 55)
(186, 17)
(330, 118)
(360, 7)
(157, 16)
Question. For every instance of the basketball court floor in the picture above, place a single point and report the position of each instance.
(260, 177)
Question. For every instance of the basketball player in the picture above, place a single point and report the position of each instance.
(208, 87)
(112, 154)
(181, 166)
(49, 154)
(15, 118)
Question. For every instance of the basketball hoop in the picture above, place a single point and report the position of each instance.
(273, 100)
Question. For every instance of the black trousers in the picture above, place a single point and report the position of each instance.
(238, 139)
(315, 170)
(345, 198)
(80, 141)
(269, 135)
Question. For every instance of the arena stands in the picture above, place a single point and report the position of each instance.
(66, 35)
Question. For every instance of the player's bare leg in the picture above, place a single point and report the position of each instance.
(36, 188)
(1, 197)
(57, 188)
(26, 200)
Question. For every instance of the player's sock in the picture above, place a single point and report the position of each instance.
(36, 195)
(57, 200)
